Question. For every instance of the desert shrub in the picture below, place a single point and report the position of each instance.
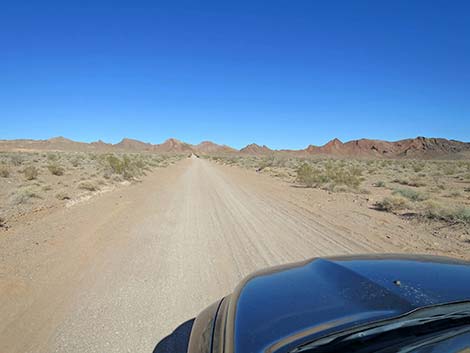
(411, 195)
(449, 169)
(2, 222)
(310, 176)
(52, 157)
(56, 169)
(115, 164)
(87, 185)
(453, 194)
(76, 161)
(332, 174)
(392, 203)
(462, 214)
(380, 184)
(62, 196)
(410, 182)
(4, 171)
(16, 159)
(344, 175)
(434, 210)
(418, 167)
(127, 167)
(304, 173)
(22, 195)
(31, 172)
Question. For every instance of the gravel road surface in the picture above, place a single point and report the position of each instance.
(119, 272)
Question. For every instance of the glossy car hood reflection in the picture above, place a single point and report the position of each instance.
(285, 306)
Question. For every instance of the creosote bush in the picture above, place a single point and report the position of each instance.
(56, 169)
(4, 171)
(333, 173)
(392, 204)
(129, 167)
(31, 172)
(434, 210)
(16, 159)
(411, 195)
(22, 195)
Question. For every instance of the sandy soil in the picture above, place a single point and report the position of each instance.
(118, 272)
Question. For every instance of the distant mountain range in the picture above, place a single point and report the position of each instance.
(419, 147)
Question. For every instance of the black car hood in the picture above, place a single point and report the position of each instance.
(278, 309)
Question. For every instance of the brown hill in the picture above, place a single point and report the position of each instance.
(211, 147)
(53, 144)
(100, 145)
(419, 147)
(173, 145)
(127, 144)
(255, 149)
(333, 147)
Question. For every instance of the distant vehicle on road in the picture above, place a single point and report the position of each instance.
(379, 303)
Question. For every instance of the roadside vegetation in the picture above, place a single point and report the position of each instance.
(34, 181)
(427, 190)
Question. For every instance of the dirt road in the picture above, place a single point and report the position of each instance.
(119, 272)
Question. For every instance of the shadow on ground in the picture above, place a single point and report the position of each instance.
(177, 341)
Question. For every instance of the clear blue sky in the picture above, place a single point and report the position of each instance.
(281, 73)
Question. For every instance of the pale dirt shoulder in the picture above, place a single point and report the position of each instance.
(357, 214)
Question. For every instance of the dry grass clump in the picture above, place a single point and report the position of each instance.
(31, 172)
(411, 195)
(16, 159)
(434, 210)
(392, 204)
(56, 169)
(63, 195)
(88, 185)
(76, 161)
(379, 184)
(52, 157)
(415, 182)
(4, 171)
(24, 194)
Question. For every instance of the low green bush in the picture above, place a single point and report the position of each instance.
(411, 195)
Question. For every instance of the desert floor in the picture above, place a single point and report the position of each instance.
(119, 271)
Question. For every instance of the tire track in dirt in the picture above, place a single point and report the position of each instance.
(128, 267)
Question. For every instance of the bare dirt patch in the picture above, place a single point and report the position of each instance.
(433, 195)
(34, 181)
